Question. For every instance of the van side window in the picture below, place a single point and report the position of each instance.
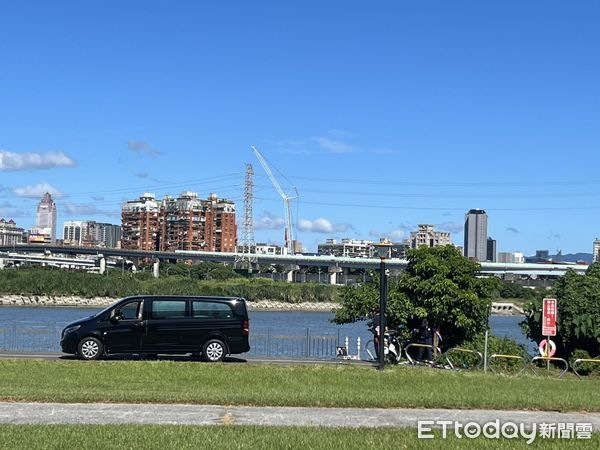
(211, 310)
(168, 309)
(130, 311)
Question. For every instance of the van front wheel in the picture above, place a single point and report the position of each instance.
(90, 348)
(213, 351)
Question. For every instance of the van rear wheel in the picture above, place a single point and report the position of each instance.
(90, 348)
(213, 350)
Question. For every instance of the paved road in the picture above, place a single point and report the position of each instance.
(230, 359)
(120, 413)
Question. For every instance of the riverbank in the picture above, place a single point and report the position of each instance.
(498, 309)
(102, 302)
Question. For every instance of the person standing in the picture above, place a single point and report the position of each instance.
(424, 337)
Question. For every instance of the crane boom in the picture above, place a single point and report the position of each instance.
(289, 237)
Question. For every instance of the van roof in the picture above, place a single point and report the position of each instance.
(177, 297)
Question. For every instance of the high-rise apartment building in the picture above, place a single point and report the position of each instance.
(10, 234)
(74, 232)
(182, 223)
(140, 223)
(108, 234)
(45, 222)
(91, 234)
(428, 237)
(596, 250)
(476, 235)
(491, 250)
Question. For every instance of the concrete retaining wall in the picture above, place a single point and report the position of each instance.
(102, 302)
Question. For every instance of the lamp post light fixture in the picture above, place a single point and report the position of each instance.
(383, 251)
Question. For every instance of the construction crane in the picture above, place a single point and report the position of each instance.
(289, 231)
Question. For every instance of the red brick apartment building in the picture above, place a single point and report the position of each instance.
(182, 223)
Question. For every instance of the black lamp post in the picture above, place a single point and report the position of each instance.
(383, 251)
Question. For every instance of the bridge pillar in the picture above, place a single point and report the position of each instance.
(102, 265)
(290, 276)
(156, 268)
(346, 272)
(2, 262)
(333, 271)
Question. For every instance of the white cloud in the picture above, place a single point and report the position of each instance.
(452, 227)
(334, 145)
(268, 221)
(397, 235)
(37, 191)
(322, 225)
(142, 147)
(340, 134)
(25, 161)
(85, 209)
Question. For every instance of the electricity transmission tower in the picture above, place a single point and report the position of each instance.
(246, 258)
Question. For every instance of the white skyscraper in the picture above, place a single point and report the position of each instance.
(46, 217)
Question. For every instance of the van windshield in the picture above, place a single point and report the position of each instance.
(108, 308)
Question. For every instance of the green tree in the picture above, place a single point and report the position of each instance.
(578, 322)
(438, 284)
(514, 290)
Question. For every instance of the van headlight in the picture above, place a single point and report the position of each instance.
(70, 329)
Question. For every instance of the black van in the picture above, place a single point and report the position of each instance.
(211, 326)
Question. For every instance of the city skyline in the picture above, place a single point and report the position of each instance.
(75, 232)
(379, 126)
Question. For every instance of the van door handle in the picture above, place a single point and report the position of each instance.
(140, 323)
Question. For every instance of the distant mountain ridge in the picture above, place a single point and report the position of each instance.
(573, 257)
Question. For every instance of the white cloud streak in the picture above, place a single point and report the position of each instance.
(268, 221)
(85, 210)
(452, 227)
(334, 145)
(25, 161)
(398, 235)
(37, 190)
(322, 225)
(142, 147)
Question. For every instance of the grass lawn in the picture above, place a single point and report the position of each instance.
(293, 385)
(244, 437)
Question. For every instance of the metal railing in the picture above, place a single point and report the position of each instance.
(19, 337)
(465, 351)
(505, 358)
(583, 360)
(434, 350)
(548, 359)
(28, 338)
(294, 346)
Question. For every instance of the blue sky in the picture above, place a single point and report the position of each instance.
(384, 115)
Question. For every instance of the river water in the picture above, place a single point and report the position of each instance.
(272, 333)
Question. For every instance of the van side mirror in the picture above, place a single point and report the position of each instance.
(114, 317)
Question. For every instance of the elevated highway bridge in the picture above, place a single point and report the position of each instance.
(333, 264)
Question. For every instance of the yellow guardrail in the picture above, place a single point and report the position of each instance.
(412, 361)
(501, 356)
(462, 350)
(547, 359)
